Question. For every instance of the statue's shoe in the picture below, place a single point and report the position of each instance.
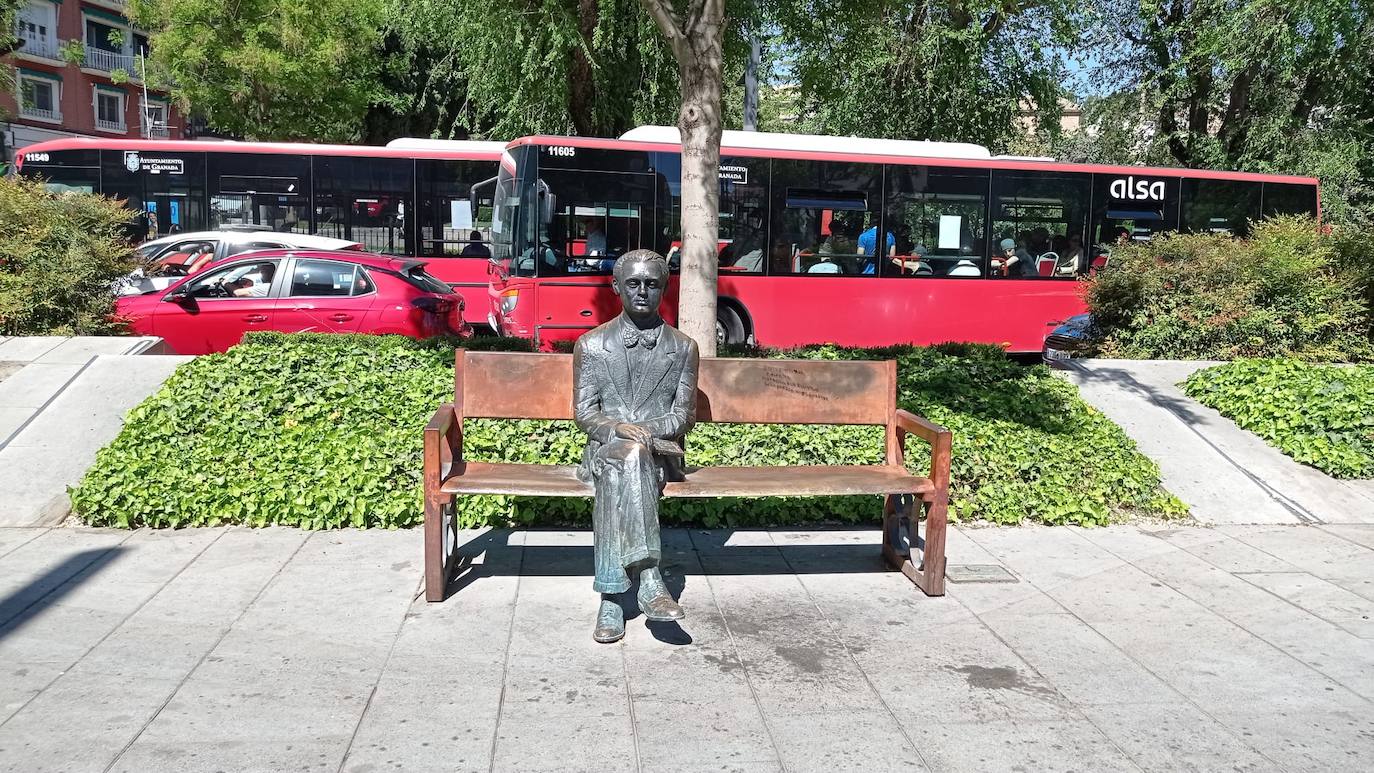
(660, 607)
(610, 623)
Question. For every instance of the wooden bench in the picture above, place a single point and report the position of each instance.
(511, 385)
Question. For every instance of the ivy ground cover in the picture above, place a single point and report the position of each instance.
(325, 431)
(1321, 415)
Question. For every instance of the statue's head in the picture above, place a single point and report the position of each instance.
(640, 279)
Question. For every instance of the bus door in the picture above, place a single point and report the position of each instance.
(587, 220)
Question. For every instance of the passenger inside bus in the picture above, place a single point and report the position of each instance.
(475, 248)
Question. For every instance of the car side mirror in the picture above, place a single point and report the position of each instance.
(180, 297)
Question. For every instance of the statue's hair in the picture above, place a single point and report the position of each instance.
(623, 263)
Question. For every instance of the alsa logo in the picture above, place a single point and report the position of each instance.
(1133, 189)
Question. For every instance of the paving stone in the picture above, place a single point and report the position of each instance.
(1317, 643)
(109, 712)
(1172, 737)
(1311, 550)
(960, 673)
(1316, 741)
(1047, 557)
(1360, 534)
(437, 713)
(1015, 745)
(839, 741)
(1078, 661)
(535, 742)
(1224, 551)
(1125, 542)
(1326, 600)
(676, 732)
(13, 538)
(249, 755)
(28, 348)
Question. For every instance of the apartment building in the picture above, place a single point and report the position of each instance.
(76, 74)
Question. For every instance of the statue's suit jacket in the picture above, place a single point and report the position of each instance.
(663, 400)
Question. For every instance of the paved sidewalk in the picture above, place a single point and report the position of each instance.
(1237, 648)
(61, 400)
(1224, 473)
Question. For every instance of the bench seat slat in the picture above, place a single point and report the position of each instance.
(814, 480)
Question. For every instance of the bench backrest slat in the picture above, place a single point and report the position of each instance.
(539, 386)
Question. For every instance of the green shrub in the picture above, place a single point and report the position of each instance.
(1321, 415)
(1288, 290)
(59, 257)
(324, 431)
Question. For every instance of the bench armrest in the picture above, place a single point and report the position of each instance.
(941, 444)
(443, 446)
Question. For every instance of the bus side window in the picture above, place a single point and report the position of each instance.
(826, 218)
(1220, 206)
(937, 219)
(743, 237)
(1290, 199)
(1038, 224)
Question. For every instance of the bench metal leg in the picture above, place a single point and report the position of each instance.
(901, 540)
(440, 540)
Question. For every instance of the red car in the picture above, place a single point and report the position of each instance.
(293, 291)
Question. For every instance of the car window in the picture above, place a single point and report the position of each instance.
(249, 246)
(423, 280)
(322, 277)
(163, 250)
(362, 283)
(242, 280)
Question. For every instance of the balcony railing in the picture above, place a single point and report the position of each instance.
(29, 111)
(111, 126)
(156, 132)
(109, 61)
(44, 47)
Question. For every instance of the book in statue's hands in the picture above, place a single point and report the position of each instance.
(667, 448)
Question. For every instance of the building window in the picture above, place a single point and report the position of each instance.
(39, 97)
(109, 110)
(107, 46)
(154, 117)
(36, 27)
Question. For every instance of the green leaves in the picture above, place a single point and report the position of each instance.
(266, 68)
(1288, 290)
(324, 431)
(1321, 415)
(59, 258)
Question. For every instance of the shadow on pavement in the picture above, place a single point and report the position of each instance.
(492, 554)
(48, 588)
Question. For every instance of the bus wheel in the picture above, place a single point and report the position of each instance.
(729, 328)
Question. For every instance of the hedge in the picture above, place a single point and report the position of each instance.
(324, 431)
(60, 255)
(1288, 290)
(1321, 415)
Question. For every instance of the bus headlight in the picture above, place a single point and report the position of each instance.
(509, 299)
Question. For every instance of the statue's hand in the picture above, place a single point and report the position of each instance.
(633, 432)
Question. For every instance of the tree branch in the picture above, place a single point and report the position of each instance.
(703, 13)
(661, 11)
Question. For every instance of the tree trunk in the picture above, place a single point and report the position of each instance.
(697, 45)
(699, 124)
(581, 84)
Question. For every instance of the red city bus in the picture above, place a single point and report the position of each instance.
(411, 198)
(972, 248)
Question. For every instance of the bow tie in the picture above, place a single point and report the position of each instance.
(632, 337)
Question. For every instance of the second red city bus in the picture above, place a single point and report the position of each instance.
(844, 240)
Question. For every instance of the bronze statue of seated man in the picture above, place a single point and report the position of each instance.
(634, 394)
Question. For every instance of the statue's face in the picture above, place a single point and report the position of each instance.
(641, 290)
